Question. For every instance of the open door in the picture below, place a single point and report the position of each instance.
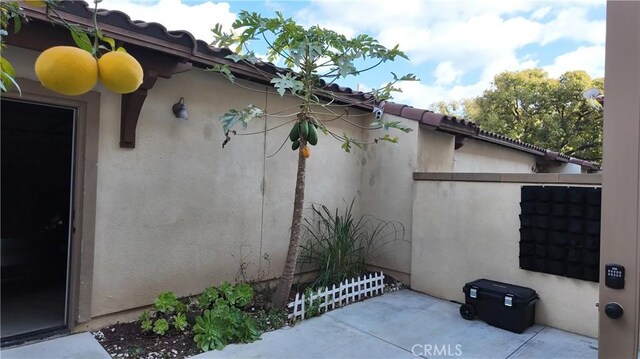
(37, 205)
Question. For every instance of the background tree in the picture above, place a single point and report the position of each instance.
(315, 57)
(452, 108)
(529, 106)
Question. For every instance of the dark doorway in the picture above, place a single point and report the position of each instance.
(37, 166)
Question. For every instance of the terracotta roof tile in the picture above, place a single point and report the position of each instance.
(183, 43)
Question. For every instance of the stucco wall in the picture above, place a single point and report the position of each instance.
(477, 156)
(387, 189)
(196, 211)
(180, 213)
(469, 230)
(387, 184)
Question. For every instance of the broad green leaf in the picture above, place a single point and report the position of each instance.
(110, 41)
(81, 39)
(287, 82)
(233, 116)
(17, 24)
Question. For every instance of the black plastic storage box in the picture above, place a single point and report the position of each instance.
(502, 305)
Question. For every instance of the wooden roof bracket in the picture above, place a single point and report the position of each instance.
(131, 103)
(459, 141)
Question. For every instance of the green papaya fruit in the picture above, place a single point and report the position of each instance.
(312, 138)
(295, 145)
(294, 135)
(304, 129)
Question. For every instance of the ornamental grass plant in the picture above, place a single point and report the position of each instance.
(339, 245)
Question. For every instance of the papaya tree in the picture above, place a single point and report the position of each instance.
(315, 58)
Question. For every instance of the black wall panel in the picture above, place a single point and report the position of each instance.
(560, 230)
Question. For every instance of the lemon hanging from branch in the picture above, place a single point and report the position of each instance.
(67, 70)
(120, 72)
(74, 71)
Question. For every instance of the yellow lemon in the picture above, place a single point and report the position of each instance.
(120, 72)
(34, 3)
(68, 70)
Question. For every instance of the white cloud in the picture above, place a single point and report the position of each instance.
(541, 13)
(175, 15)
(446, 74)
(421, 95)
(589, 59)
(573, 24)
(443, 38)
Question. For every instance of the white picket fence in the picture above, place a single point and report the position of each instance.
(345, 293)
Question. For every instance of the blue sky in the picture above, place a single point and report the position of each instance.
(455, 47)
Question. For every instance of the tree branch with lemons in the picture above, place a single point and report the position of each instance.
(69, 70)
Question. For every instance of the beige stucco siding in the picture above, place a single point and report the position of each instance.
(169, 217)
(179, 213)
(477, 156)
(469, 230)
(387, 189)
(196, 211)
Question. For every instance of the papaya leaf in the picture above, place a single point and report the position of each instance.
(388, 138)
(233, 116)
(249, 57)
(346, 146)
(224, 70)
(386, 125)
(287, 82)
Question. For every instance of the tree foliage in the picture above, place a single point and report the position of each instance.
(315, 57)
(530, 106)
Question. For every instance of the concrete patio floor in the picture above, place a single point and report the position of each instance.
(403, 324)
(408, 324)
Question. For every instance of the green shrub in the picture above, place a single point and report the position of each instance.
(312, 309)
(339, 245)
(222, 320)
(208, 297)
(238, 295)
(167, 303)
(222, 325)
(161, 326)
(275, 318)
(180, 322)
(166, 311)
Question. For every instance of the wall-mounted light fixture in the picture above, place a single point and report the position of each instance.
(180, 109)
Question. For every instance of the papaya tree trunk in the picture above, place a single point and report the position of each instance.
(284, 284)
